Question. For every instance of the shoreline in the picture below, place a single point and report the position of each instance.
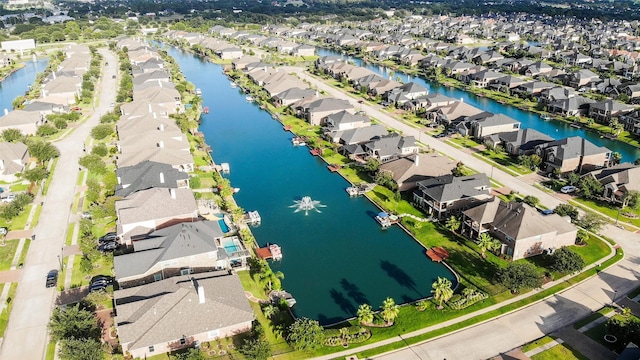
(21, 66)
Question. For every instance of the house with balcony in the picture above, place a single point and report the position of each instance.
(522, 230)
(604, 111)
(617, 181)
(391, 146)
(445, 195)
(573, 154)
(407, 171)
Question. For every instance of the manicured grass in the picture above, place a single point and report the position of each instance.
(6, 254)
(593, 317)
(19, 222)
(36, 216)
(80, 177)
(4, 316)
(609, 210)
(69, 238)
(25, 250)
(47, 182)
(595, 250)
(598, 333)
(561, 351)
(251, 285)
(80, 278)
(536, 344)
(51, 351)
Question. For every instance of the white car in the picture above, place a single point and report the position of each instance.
(568, 189)
(9, 198)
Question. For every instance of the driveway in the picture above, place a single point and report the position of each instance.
(26, 336)
(505, 333)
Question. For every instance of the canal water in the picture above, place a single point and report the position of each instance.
(18, 82)
(555, 129)
(334, 259)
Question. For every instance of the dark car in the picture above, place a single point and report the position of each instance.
(108, 237)
(108, 246)
(97, 287)
(102, 278)
(52, 278)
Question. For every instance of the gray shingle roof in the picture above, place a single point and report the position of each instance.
(449, 188)
(146, 175)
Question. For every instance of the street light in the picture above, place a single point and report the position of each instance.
(613, 300)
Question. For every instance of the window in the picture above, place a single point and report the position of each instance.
(157, 277)
(183, 341)
(185, 271)
(151, 349)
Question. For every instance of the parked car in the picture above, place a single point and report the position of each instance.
(9, 198)
(102, 279)
(52, 278)
(108, 237)
(108, 246)
(568, 189)
(86, 215)
(546, 212)
(97, 287)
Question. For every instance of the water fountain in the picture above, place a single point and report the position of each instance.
(306, 204)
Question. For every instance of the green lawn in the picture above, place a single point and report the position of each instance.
(69, 238)
(593, 317)
(609, 210)
(561, 351)
(25, 250)
(536, 344)
(595, 250)
(597, 333)
(4, 316)
(80, 278)
(19, 222)
(6, 254)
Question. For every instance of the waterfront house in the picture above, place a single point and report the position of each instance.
(303, 50)
(453, 113)
(617, 181)
(404, 93)
(631, 122)
(532, 89)
(179, 159)
(158, 77)
(604, 111)
(241, 63)
(573, 106)
(230, 52)
(345, 120)
(150, 65)
(486, 123)
(428, 102)
(65, 87)
(180, 312)
(164, 97)
(583, 78)
(147, 175)
(148, 210)
(573, 154)
(319, 109)
(180, 249)
(140, 108)
(279, 82)
(556, 93)
(25, 121)
(353, 139)
(444, 195)
(391, 146)
(406, 171)
(483, 78)
(519, 142)
(14, 158)
(292, 95)
(522, 230)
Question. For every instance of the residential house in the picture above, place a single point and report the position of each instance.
(65, 87)
(445, 195)
(147, 175)
(25, 121)
(522, 230)
(304, 50)
(292, 95)
(606, 110)
(632, 91)
(519, 142)
(406, 171)
(556, 93)
(573, 106)
(345, 120)
(166, 98)
(319, 109)
(231, 52)
(148, 210)
(14, 158)
(573, 154)
(537, 69)
(390, 146)
(617, 181)
(583, 78)
(532, 89)
(180, 249)
(631, 122)
(180, 312)
(405, 92)
(453, 113)
(487, 124)
(352, 140)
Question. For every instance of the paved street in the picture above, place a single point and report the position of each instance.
(26, 336)
(507, 332)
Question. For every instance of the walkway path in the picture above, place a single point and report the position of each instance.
(27, 328)
(511, 330)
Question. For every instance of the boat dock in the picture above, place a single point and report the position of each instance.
(272, 251)
(299, 141)
(225, 168)
(278, 295)
(315, 152)
(437, 254)
(252, 218)
(333, 168)
(360, 189)
(287, 128)
(385, 220)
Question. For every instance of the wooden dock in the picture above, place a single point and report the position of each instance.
(437, 254)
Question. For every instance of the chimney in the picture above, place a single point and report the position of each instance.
(172, 192)
(201, 294)
(317, 93)
(54, 75)
(150, 107)
(160, 144)
(161, 178)
(416, 161)
(161, 127)
(6, 111)
(155, 116)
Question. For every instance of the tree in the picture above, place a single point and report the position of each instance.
(531, 200)
(591, 222)
(631, 199)
(43, 151)
(486, 242)
(93, 163)
(305, 334)
(101, 131)
(12, 135)
(192, 354)
(453, 224)
(459, 170)
(567, 210)
(100, 150)
(372, 164)
(269, 311)
(520, 275)
(573, 178)
(590, 187)
(256, 349)
(36, 174)
(80, 349)
(46, 130)
(389, 310)
(73, 322)
(441, 290)
(271, 278)
(365, 314)
(566, 260)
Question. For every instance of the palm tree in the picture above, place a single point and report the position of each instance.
(389, 310)
(442, 290)
(267, 275)
(269, 311)
(453, 224)
(365, 314)
(486, 242)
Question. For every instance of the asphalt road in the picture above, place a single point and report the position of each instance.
(26, 336)
(519, 327)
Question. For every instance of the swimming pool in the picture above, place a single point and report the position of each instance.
(230, 246)
(223, 226)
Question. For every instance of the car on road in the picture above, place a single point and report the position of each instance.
(568, 189)
(108, 246)
(441, 135)
(108, 237)
(546, 212)
(112, 104)
(52, 278)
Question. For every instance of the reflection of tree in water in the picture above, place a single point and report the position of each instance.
(353, 292)
(344, 303)
(398, 275)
